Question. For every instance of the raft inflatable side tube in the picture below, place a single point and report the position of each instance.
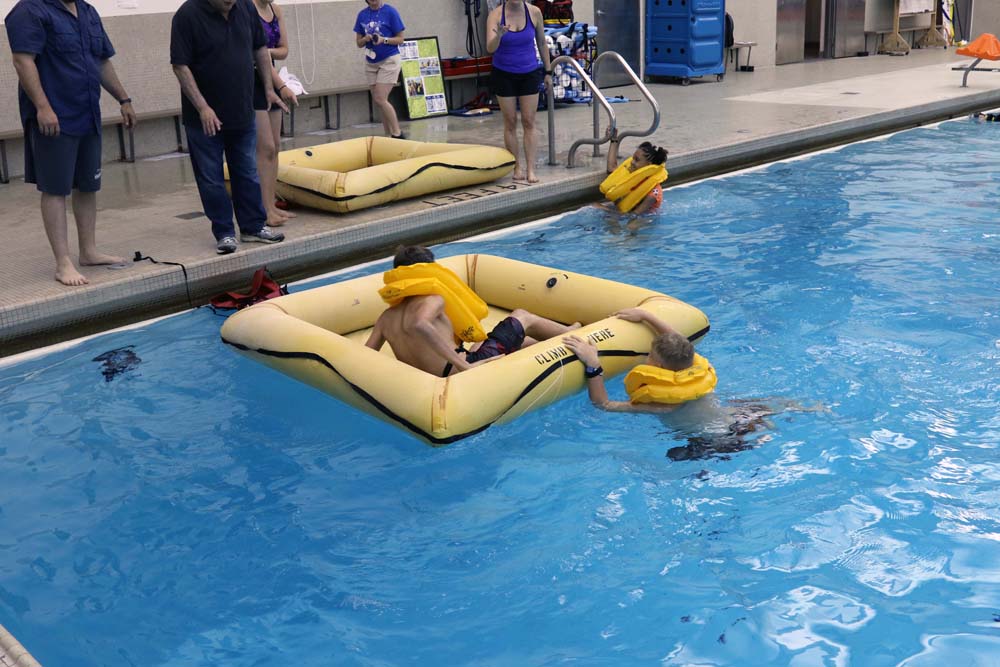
(317, 336)
(369, 171)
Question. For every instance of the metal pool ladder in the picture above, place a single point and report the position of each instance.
(603, 101)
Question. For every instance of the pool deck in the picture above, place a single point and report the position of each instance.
(710, 127)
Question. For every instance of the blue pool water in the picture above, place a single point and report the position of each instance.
(200, 510)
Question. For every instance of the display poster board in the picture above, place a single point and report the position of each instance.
(423, 83)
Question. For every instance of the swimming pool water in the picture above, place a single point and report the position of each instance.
(199, 509)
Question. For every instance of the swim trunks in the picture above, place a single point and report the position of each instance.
(506, 337)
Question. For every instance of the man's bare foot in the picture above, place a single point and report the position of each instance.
(288, 214)
(67, 274)
(98, 259)
(532, 178)
(518, 174)
(275, 219)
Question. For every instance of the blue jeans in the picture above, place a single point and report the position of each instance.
(240, 149)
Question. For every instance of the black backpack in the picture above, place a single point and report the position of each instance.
(729, 31)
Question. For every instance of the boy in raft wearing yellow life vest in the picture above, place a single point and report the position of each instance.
(670, 383)
(432, 314)
(634, 185)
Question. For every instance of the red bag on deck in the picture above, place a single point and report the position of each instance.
(262, 288)
(556, 10)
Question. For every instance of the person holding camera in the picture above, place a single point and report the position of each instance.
(379, 31)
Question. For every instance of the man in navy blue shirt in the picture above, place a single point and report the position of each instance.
(62, 58)
(214, 45)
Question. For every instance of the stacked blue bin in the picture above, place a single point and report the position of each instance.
(685, 38)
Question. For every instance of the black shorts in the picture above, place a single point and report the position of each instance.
(259, 98)
(60, 164)
(506, 337)
(509, 84)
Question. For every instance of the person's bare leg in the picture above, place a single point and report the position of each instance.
(540, 328)
(54, 217)
(267, 167)
(85, 212)
(529, 109)
(508, 107)
(380, 97)
(275, 117)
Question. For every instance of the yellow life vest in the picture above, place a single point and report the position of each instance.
(462, 306)
(628, 188)
(651, 384)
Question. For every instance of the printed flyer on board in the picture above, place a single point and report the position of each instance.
(423, 82)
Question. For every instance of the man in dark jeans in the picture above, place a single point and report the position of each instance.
(62, 58)
(214, 45)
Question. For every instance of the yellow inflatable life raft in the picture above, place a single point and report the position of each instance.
(652, 384)
(628, 188)
(318, 336)
(462, 306)
(358, 173)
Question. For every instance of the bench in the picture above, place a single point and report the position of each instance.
(973, 68)
(126, 137)
(733, 52)
(323, 96)
(449, 79)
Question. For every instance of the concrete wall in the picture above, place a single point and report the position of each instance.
(985, 18)
(756, 21)
(583, 10)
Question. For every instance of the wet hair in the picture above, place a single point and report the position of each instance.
(411, 254)
(674, 351)
(655, 154)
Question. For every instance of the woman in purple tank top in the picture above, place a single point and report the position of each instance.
(516, 38)
(269, 119)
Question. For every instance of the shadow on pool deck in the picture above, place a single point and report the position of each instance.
(152, 206)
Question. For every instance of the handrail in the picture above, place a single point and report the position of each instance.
(642, 88)
(599, 96)
(595, 93)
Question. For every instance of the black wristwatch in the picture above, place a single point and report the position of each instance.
(592, 371)
(127, 100)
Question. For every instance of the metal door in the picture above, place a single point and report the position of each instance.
(791, 35)
(847, 34)
(617, 30)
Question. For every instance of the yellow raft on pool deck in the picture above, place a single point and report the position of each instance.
(318, 336)
(358, 173)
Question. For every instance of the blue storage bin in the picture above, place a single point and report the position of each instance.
(685, 38)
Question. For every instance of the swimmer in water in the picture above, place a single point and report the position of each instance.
(711, 428)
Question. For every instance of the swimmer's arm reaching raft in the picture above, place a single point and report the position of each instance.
(587, 353)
